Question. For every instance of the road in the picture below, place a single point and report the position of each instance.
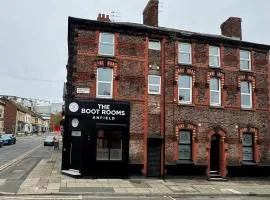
(79, 197)
(18, 160)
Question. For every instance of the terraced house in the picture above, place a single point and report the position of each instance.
(154, 101)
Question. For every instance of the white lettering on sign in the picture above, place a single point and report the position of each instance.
(103, 112)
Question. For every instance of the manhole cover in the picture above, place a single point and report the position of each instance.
(51, 161)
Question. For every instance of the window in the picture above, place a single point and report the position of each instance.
(185, 145)
(214, 57)
(247, 147)
(153, 84)
(246, 95)
(106, 44)
(104, 82)
(215, 94)
(154, 45)
(1, 112)
(184, 53)
(184, 89)
(109, 145)
(245, 60)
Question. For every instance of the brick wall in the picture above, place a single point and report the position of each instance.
(9, 117)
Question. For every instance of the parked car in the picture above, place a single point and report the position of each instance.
(8, 139)
(1, 142)
(49, 140)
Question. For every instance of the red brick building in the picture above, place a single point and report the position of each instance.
(199, 103)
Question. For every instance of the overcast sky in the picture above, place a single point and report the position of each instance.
(33, 36)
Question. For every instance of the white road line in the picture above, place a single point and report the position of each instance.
(231, 190)
(18, 159)
(171, 198)
(45, 197)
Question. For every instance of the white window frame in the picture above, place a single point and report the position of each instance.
(100, 42)
(249, 146)
(97, 85)
(184, 52)
(250, 95)
(152, 46)
(218, 56)
(244, 59)
(180, 143)
(190, 90)
(159, 85)
(219, 93)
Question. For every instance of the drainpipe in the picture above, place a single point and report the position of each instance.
(163, 104)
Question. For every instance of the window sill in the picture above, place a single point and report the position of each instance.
(245, 70)
(186, 104)
(185, 162)
(215, 67)
(154, 94)
(250, 163)
(106, 56)
(186, 64)
(217, 107)
(247, 109)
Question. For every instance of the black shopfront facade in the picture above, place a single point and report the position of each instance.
(96, 138)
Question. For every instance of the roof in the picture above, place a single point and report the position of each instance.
(21, 107)
(129, 27)
(2, 103)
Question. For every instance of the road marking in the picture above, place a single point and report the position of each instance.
(170, 198)
(18, 159)
(45, 197)
(231, 190)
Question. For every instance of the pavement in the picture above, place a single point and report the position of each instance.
(46, 178)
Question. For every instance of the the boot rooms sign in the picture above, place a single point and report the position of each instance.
(99, 110)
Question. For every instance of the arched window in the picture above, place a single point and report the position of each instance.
(185, 145)
(248, 147)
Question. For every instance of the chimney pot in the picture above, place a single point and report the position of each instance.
(150, 13)
(232, 28)
(102, 18)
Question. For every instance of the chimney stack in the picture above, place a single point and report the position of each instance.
(232, 28)
(150, 13)
(103, 18)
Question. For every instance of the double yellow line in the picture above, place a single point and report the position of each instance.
(18, 159)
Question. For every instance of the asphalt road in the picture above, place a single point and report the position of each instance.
(79, 197)
(30, 151)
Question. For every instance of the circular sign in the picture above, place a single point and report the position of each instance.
(75, 122)
(73, 107)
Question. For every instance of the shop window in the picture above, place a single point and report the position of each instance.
(185, 89)
(153, 84)
(184, 53)
(104, 82)
(214, 57)
(248, 154)
(109, 145)
(185, 145)
(215, 94)
(245, 60)
(106, 44)
(246, 95)
(1, 112)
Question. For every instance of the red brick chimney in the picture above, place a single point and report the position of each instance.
(103, 18)
(232, 28)
(150, 13)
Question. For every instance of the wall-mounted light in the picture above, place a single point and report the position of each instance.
(199, 124)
